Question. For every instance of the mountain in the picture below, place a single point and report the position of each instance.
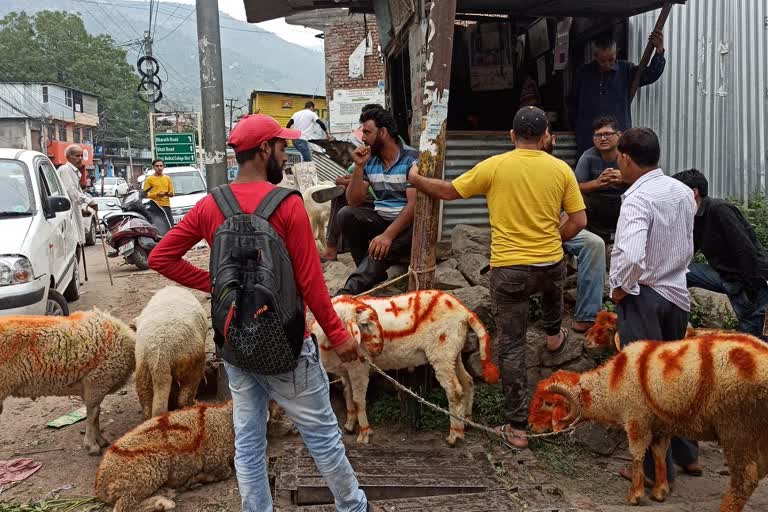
(252, 58)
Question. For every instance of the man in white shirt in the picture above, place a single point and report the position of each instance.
(305, 121)
(69, 174)
(649, 262)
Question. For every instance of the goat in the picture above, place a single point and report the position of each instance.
(90, 354)
(406, 331)
(319, 213)
(170, 349)
(711, 388)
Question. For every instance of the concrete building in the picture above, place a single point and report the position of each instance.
(47, 117)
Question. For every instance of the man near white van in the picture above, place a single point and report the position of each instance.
(304, 121)
(69, 174)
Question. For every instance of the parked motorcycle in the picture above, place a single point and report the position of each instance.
(135, 230)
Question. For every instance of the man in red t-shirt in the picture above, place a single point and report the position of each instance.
(259, 143)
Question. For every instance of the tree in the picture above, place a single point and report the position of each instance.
(53, 46)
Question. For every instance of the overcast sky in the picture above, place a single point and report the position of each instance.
(292, 33)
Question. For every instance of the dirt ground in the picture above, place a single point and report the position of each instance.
(545, 480)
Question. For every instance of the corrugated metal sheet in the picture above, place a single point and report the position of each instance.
(710, 108)
(466, 149)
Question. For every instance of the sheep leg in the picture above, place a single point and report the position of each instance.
(157, 504)
(94, 441)
(448, 378)
(659, 450)
(349, 425)
(467, 384)
(745, 477)
(144, 390)
(358, 377)
(639, 440)
(161, 391)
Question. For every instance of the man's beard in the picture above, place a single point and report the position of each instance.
(274, 170)
(376, 146)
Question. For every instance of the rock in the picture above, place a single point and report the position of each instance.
(469, 239)
(447, 277)
(579, 365)
(470, 265)
(336, 274)
(443, 251)
(712, 305)
(599, 438)
(573, 350)
(478, 300)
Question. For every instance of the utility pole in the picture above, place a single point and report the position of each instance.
(212, 93)
(130, 161)
(231, 107)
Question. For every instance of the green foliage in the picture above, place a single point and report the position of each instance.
(756, 213)
(705, 312)
(53, 46)
(565, 459)
(609, 305)
(56, 504)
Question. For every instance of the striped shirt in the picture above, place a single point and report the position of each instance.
(389, 185)
(654, 238)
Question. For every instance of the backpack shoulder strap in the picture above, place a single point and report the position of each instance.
(226, 201)
(272, 201)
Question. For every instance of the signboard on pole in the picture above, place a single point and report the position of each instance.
(175, 148)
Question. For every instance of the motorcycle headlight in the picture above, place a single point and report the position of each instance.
(15, 269)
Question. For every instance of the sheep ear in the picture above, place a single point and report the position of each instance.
(132, 325)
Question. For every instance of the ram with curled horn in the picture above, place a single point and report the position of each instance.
(709, 388)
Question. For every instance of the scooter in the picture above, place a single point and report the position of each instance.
(135, 230)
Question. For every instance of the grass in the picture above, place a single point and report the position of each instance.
(566, 459)
(56, 504)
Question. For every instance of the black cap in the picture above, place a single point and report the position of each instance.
(530, 123)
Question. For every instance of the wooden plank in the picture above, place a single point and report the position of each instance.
(649, 49)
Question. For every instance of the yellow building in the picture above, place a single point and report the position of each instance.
(281, 106)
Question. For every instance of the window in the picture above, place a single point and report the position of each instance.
(63, 133)
(87, 135)
(51, 182)
(76, 134)
(51, 133)
(77, 97)
(68, 97)
(17, 193)
(45, 94)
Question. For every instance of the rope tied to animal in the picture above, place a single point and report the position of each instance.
(411, 271)
(570, 430)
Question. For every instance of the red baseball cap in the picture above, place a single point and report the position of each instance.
(254, 129)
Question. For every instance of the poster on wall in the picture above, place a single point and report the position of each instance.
(562, 43)
(492, 57)
(345, 108)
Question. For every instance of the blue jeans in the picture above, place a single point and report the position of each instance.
(749, 311)
(303, 148)
(589, 250)
(304, 395)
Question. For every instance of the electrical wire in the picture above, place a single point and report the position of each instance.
(177, 26)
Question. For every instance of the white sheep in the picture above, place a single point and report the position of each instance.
(319, 213)
(90, 354)
(406, 331)
(170, 348)
(178, 449)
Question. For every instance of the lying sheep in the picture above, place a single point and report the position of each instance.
(170, 348)
(90, 354)
(319, 213)
(404, 332)
(710, 388)
(177, 450)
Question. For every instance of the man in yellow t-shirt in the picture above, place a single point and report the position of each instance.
(159, 188)
(526, 190)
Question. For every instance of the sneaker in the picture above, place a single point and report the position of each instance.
(326, 194)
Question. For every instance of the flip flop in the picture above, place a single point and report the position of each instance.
(691, 472)
(326, 194)
(504, 436)
(559, 349)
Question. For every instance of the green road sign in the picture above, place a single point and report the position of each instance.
(175, 148)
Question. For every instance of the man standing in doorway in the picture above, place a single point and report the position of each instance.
(737, 265)
(380, 237)
(650, 257)
(259, 143)
(304, 121)
(159, 188)
(69, 174)
(601, 88)
(526, 190)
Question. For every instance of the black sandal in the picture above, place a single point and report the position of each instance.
(559, 349)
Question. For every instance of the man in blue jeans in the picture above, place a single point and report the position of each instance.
(259, 143)
(737, 265)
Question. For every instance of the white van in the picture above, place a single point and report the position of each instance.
(39, 270)
(188, 186)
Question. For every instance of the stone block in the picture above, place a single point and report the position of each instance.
(469, 239)
(470, 264)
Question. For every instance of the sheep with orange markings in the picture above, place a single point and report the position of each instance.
(170, 350)
(89, 354)
(176, 450)
(712, 387)
(405, 331)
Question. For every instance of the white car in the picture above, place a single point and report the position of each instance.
(115, 187)
(39, 269)
(188, 186)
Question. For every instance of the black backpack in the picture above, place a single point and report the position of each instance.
(255, 306)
